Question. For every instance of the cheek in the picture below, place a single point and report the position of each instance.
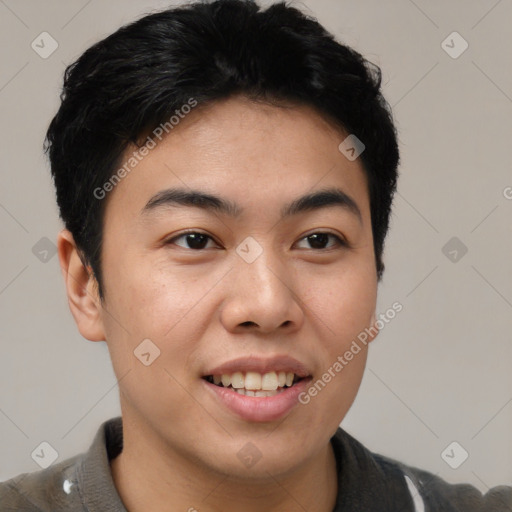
(343, 305)
(341, 308)
(166, 309)
(172, 309)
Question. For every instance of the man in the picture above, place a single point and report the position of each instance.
(225, 176)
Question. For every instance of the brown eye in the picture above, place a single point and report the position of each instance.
(193, 240)
(320, 240)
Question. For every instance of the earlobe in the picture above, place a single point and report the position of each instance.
(81, 289)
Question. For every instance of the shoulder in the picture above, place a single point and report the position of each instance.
(41, 491)
(79, 483)
(388, 479)
(440, 496)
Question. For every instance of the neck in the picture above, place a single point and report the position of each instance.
(149, 477)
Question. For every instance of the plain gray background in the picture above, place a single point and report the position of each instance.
(438, 373)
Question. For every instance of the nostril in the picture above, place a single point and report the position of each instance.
(247, 324)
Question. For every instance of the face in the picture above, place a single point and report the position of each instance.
(252, 283)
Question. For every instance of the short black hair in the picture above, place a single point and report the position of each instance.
(126, 85)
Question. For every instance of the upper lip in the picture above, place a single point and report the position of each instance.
(280, 363)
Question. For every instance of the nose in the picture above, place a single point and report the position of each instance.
(262, 297)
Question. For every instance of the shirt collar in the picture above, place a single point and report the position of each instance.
(366, 481)
(98, 491)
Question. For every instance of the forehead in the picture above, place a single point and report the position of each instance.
(250, 151)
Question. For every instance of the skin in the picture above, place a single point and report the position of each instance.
(205, 307)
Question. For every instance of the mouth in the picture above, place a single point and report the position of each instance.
(255, 384)
(258, 390)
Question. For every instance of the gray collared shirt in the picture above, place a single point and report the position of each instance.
(82, 483)
(366, 482)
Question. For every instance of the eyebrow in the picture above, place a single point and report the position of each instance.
(209, 202)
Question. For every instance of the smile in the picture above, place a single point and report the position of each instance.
(255, 384)
(245, 396)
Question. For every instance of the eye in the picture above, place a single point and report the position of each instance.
(319, 240)
(192, 240)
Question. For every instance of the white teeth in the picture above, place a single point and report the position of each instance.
(254, 381)
(269, 381)
(260, 393)
(237, 380)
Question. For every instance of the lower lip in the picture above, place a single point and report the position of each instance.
(259, 408)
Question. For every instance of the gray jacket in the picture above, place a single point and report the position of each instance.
(366, 482)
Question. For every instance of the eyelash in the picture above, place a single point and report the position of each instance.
(340, 242)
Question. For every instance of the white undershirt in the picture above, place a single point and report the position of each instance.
(419, 506)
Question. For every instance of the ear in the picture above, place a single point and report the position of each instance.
(81, 288)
